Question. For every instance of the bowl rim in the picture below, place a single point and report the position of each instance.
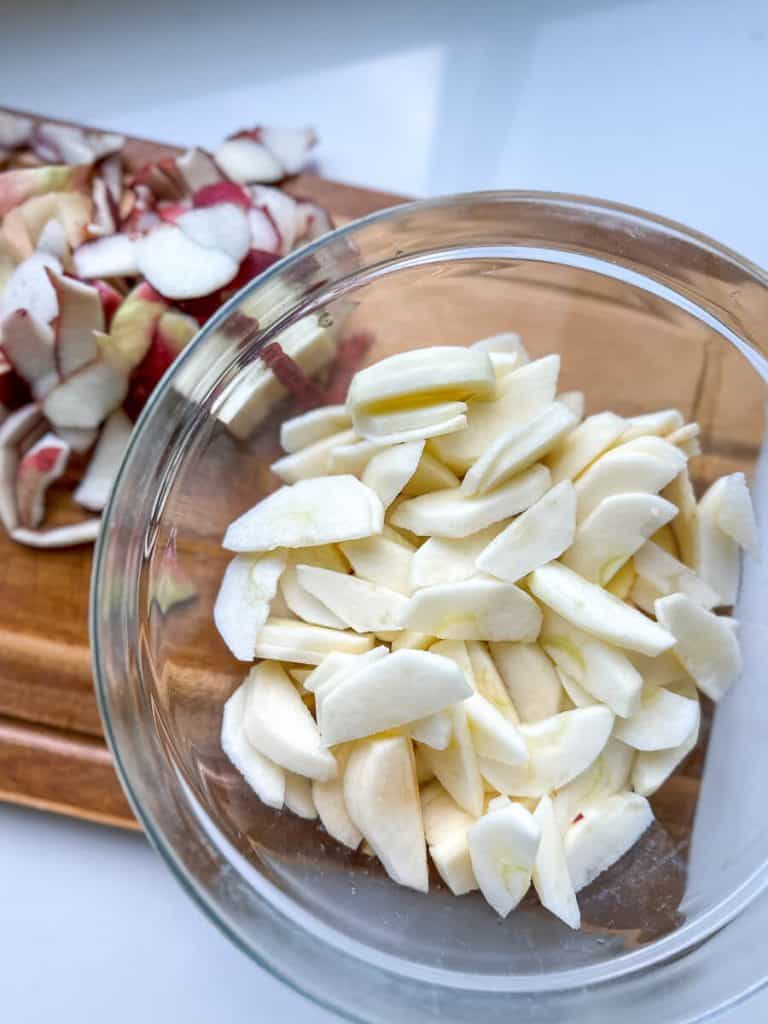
(632, 964)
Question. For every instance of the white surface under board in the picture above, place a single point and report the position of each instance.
(658, 104)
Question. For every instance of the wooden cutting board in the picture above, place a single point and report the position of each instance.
(52, 752)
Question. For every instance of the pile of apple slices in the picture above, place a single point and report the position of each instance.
(106, 274)
(481, 621)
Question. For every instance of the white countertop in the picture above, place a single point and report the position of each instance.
(657, 104)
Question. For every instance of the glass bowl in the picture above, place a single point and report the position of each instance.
(645, 314)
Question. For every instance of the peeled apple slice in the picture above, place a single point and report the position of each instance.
(331, 664)
(736, 515)
(390, 470)
(575, 691)
(653, 423)
(607, 830)
(450, 513)
(518, 448)
(330, 682)
(503, 846)
(604, 671)
(530, 679)
(575, 401)
(430, 475)
(592, 609)
(310, 461)
(365, 607)
(608, 774)
(265, 778)
(456, 767)
(666, 575)
(289, 640)
(411, 423)
(242, 605)
(313, 426)
(487, 681)
(433, 731)
(652, 768)
(298, 796)
(311, 512)
(664, 719)
(613, 532)
(704, 643)
(397, 689)
(445, 826)
(475, 609)
(522, 394)
(716, 553)
(299, 600)
(645, 464)
(494, 735)
(680, 492)
(435, 374)
(539, 535)
(559, 749)
(382, 800)
(382, 559)
(328, 798)
(278, 724)
(507, 342)
(584, 444)
(448, 559)
(551, 879)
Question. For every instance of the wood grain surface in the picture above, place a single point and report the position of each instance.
(52, 752)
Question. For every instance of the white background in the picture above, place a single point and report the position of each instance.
(659, 104)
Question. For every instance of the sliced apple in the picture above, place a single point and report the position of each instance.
(539, 535)
(686, 438)
(680, 492)
(331, 664)
(289, 640)
(28, 288)
(433, 730)
(736, 516)
(575, 692)
(592, 609)
(179, 267)
(393, 691)
(382, 799)
(608, 774)
(381, 559)
(456, 767)
(475, 609)
(445, 827)
(493, 734)
(607, 830)
(390, 470)
(432, 375)
(643, 465)
(87, 397)
(530, 679)
(299, 600)
(450, 513)
(362, 661)
(613, 532)
(715, 553)
(656, 424)
(80, 314)
(95, 487)
(279, 725)
(664, 719)
(363, 606)
(44, 463)
(583, 445)
(430, 475)
(27, 344)
(112, 256)
(522, 394)
(354, 457)
(575, 401)
(265, 778)
(298, 796)
(551, 878)
(518, 448)
(652, 768)
(409, 640)
(449, 560)
(316, 425)
(308, 513)
(503, 847)
(485, 679)
(666, 575)
(704, 643)
(559, 749)
(311, 461)
(242, 605)
(411, 423)
(329, 801)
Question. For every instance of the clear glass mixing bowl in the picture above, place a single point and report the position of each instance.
(645, 314)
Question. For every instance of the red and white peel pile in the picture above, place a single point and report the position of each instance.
(481, 623)
(105, 276)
